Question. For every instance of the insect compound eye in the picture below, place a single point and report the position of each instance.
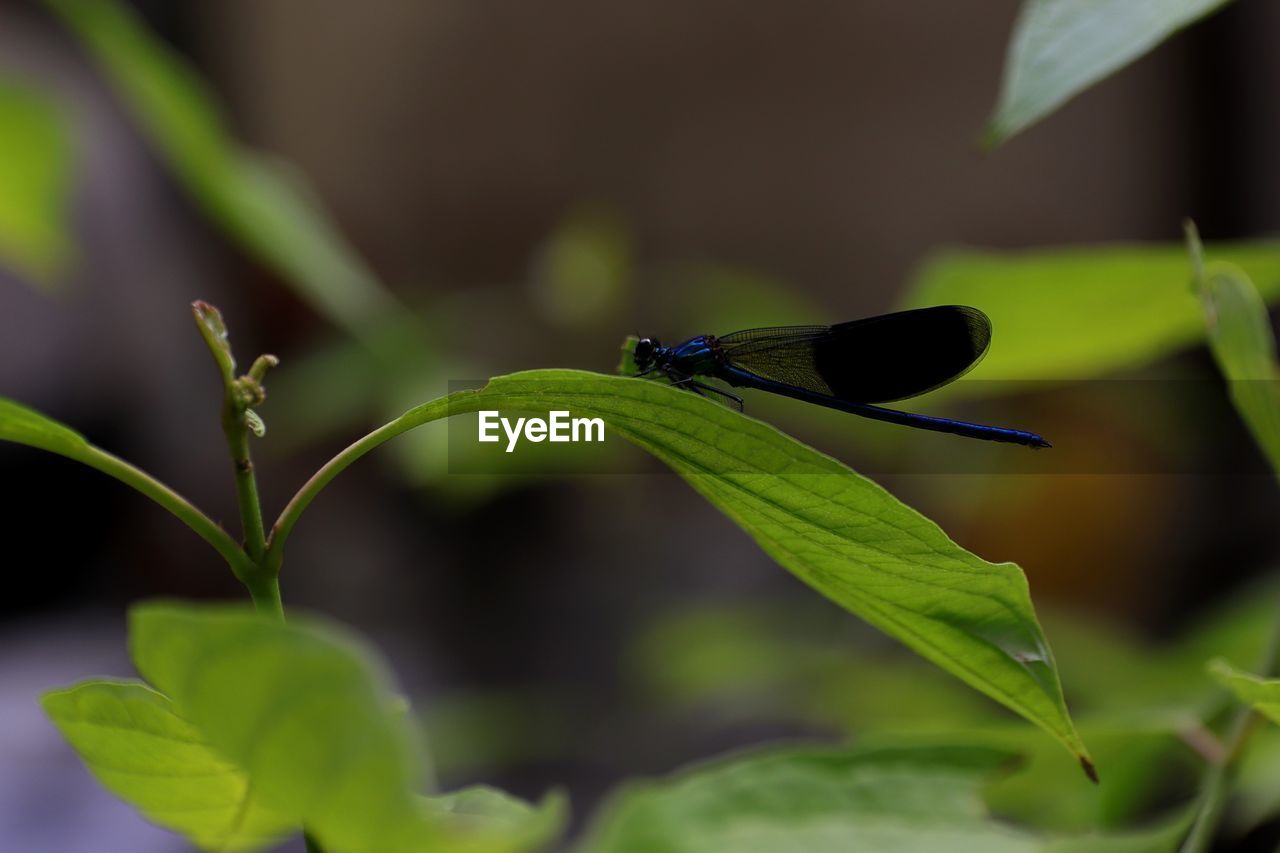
(643, 353)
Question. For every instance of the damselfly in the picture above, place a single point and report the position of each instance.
(850, 366)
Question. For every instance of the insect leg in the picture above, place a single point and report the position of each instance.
(734, 400)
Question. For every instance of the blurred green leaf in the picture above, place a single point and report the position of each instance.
(583, 270)
(144, 753)
(1061, 47)
(306, 710)
(1244, 347)
(814, 799)
(841, 533)
(1071, 314)
(1258, 779)
(755, 660)
(1145, 759)
(261, 204)
(35, 186)
(495, 820)
(1263, 694)
(758, 662)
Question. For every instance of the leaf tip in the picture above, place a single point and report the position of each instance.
(992, 137)
(1089, 769)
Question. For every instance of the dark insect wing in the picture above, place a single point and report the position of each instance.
(874, 360)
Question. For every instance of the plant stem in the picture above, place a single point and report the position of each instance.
(1217, 784)
(205, 527)
(462, 401)
(264, 589)
(238, 396)
(237, 433)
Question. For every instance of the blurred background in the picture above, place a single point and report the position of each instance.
(509, 186)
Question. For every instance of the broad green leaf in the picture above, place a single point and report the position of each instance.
(839, 532)
(1076, 313)
(1244, 347)
(144, 753)
(304, 709)
(815, 799)
(1262, 694)
(259, 203)
(35, 186)
(759, 662)
(1061, 47)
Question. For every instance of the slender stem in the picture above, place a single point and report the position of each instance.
(1218, 781)
(188, 513)
(462, 401)
(237, 432)
(238, 396)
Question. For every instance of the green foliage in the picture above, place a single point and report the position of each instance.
(1244, 347)
(487, 819)
(1077, 313)
(262, 205)
(839, 532)
(250, 728)
(870, 798)
(27, 426)
(1061, 47)
(306, 712)
(1263, 694)
(35, 179)
(143, 752)
(263, 728)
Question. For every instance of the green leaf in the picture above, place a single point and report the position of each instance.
(1263, 694)
(27, 426)
(494, 820)
(1258, 780)
(1076, 313)
(815, 799)
(303, 708)
(1061, 47)
(760, 662)
(35, 185)
(144, 753)
(1244, 347)
(839, 532)
(260, 204)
